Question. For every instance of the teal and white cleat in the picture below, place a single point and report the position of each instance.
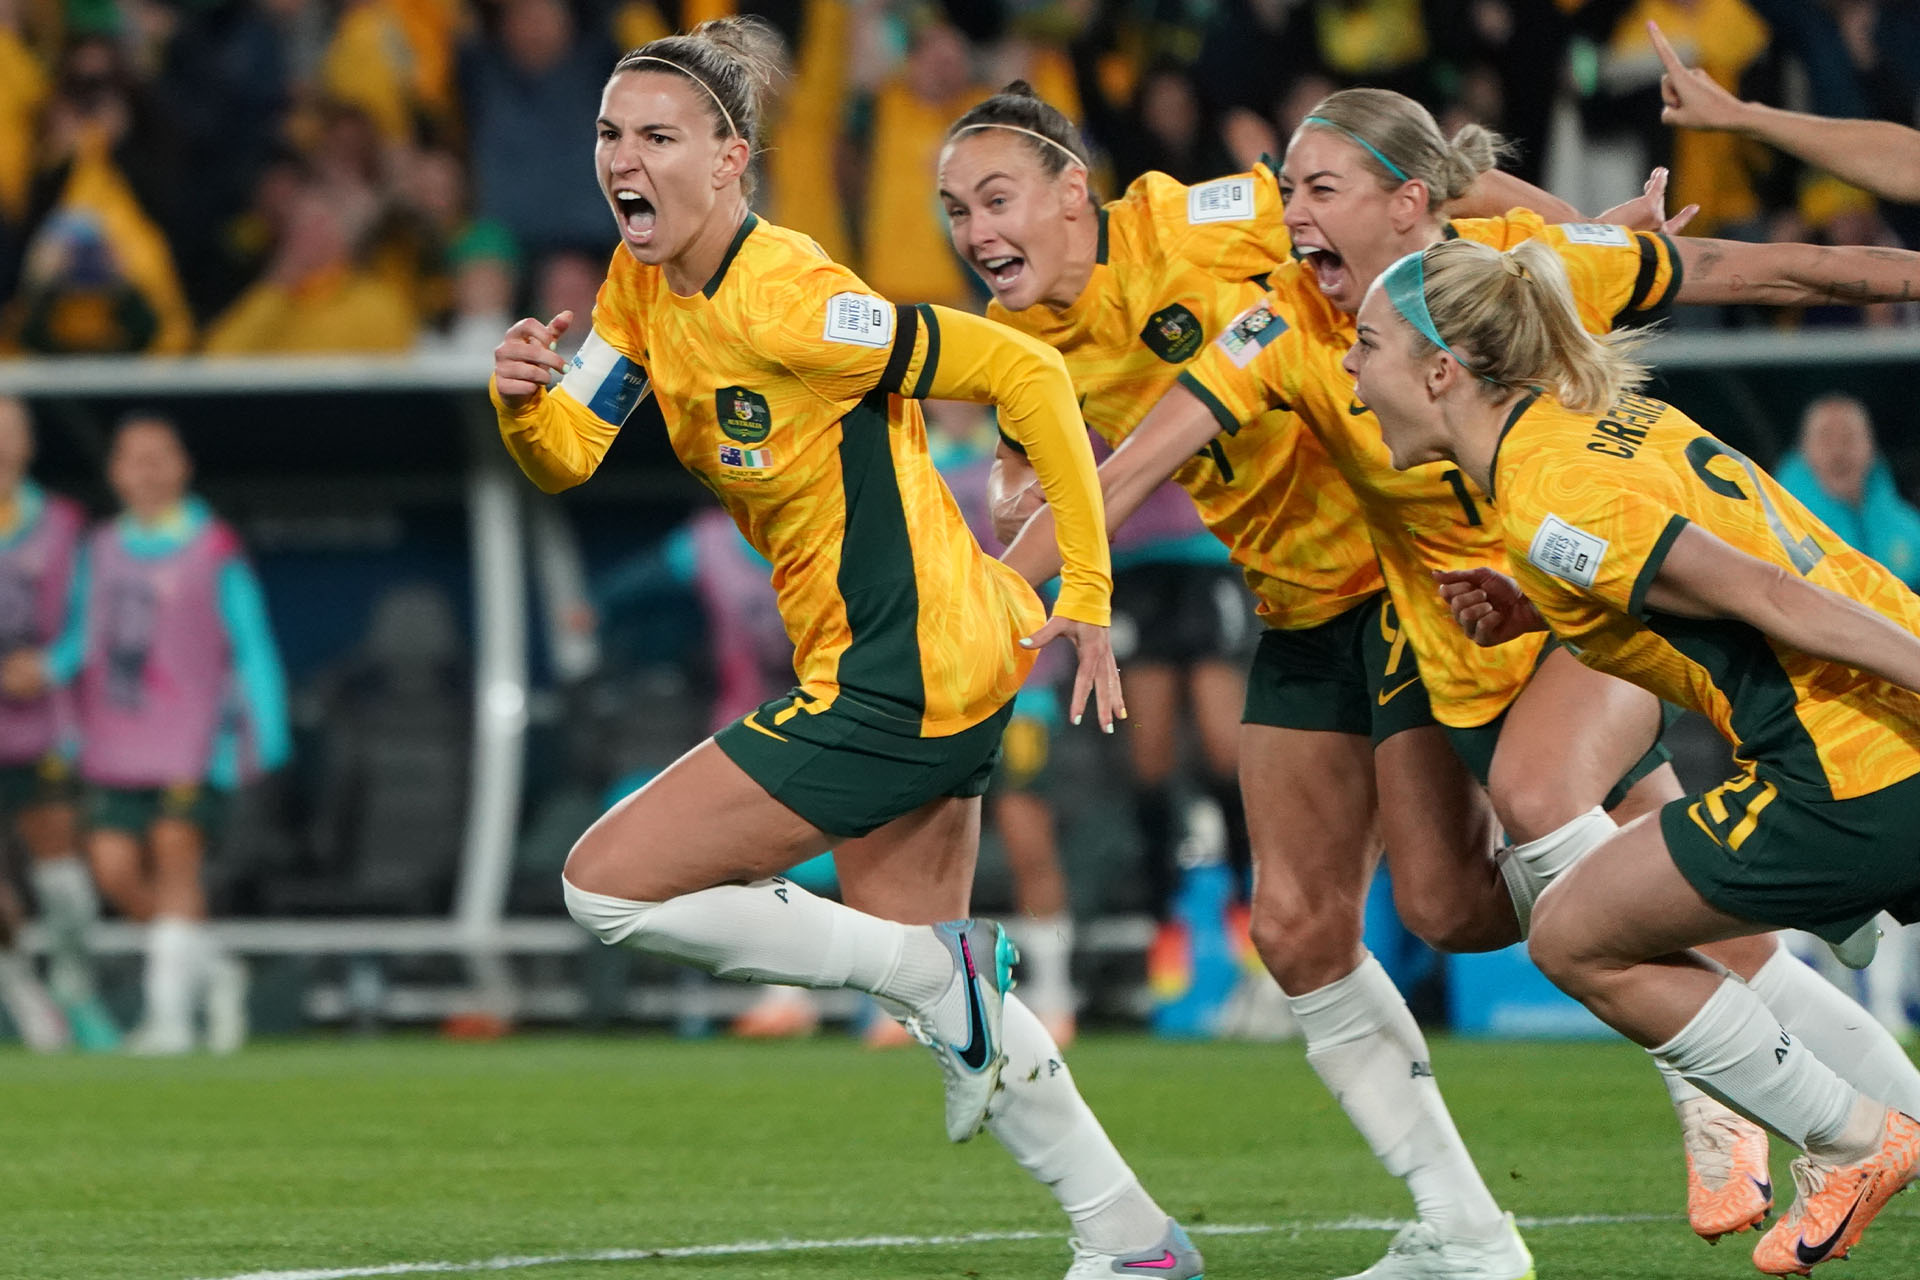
(1172, 1257)
(1421, 1253)
(963, 1026)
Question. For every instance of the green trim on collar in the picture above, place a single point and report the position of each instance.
(747, 225)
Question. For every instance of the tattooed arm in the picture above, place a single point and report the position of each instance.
(1784, 275)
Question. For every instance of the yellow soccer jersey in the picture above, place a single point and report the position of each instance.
(781, 384)
(1173, 268)
(1288, 350)
(1590, 505)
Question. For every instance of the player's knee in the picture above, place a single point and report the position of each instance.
(610, 919)
(1438, 924)
(1304, 946)
(1557, 944)
(1529, 807)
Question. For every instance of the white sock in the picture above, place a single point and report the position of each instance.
(173, 970)
(1368, 1051)
(1838, 1031)
(1046, 963)
(1680, 1089)
(1736, 1051)
(775, 931)
(1529, 868)
(1048, 1129)
(70, 908)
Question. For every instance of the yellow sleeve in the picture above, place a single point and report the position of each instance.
(1574, 535)
(1232, 227)
(963, 357)
(557, 441)
(561, 435)
(1243, 372)
(1619, 276)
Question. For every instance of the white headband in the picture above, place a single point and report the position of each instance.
(1014, 128)
(732, 131)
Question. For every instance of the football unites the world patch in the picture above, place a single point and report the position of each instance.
(1567, 552)
(743, 414)
(1251, 331)
(1173, 333)
(1600, 233)
(1224, 200)
(860, 319)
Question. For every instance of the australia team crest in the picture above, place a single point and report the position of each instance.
(743, 414)
(1173, 333)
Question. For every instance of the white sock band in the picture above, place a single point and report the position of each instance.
(1368, 1051)
(1838, 1031)
(1529, 868)
(1736, 1051)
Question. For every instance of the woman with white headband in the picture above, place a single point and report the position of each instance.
(1659, 554)
(792, 392)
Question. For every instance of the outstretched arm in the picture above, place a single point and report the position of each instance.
(1178, 427)
(1875, 155)
(1028, 382)
(1703, 576)
(1494, 192)
(1785, 275)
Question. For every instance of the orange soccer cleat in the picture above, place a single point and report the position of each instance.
(1833, 1203)
(1729, 1187)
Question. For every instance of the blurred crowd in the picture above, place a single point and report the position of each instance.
(278, 176)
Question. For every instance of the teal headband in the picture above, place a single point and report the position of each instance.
(1406, 285)
(1392, 168)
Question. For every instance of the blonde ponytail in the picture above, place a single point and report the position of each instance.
(1510, 318)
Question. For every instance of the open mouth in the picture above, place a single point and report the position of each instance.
(1002, 272)
(1329, 268)
(636, 215)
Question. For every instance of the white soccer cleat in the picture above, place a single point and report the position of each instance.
(962, 1027)
(226, 1004)
(1172, 1257)
(1421, 1253)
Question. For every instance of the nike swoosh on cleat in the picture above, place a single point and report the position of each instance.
(1818, 1253)
(974, 1054)
(1165, 1262)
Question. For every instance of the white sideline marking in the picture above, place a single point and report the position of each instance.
(876, 1242)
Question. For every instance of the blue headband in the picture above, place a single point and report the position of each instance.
(1392, 168)
(1406, 285)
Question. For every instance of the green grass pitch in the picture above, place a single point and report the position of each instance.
(318, 1157)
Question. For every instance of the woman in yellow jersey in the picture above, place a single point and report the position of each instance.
(1130, 292)
(1364, 174)
(791, 391)
(1658, 554)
